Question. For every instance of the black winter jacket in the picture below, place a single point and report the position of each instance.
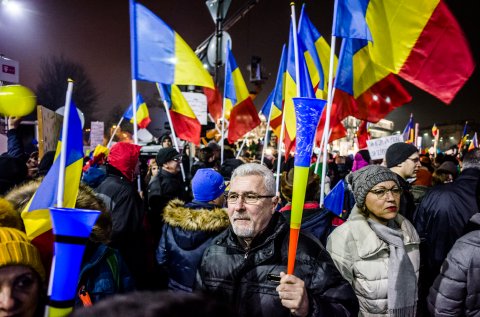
(456, 291)
(242, 277)
(441, 218)
(128, 236)
(188, 231)
(163, 188)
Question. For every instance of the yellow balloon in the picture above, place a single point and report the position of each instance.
(16, 100)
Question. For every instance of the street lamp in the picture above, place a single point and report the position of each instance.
(12, 7)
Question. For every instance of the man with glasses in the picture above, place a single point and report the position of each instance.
(245, 265)
(403, 159)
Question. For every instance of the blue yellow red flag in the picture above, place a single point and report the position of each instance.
(409, 131)
(36, 215)
(143, 116)
(160, 55)
(184, 121)
(239, 107)
(291, 82)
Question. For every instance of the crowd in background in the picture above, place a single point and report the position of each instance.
(407, 242)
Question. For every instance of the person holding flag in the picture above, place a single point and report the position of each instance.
(244, 266)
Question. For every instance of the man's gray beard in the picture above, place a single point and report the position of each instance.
(243, 232)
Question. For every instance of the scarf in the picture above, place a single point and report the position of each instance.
(402, 280)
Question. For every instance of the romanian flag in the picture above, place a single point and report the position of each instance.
(473, 142)
(316, 52)
(363, 89)
(160, 55)
(184, 120)
(419, 40)
(363, 134)
(274, 102)
(143, 117)
(36, 215)
(463, 139)
(435, 131)
(409, 131)
(239, 107)
(291, 82)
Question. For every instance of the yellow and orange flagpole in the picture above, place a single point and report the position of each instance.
(307, 114)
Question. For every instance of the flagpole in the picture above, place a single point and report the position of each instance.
(266, 133)
(114, 132)
(63, 151)
(295, 46)
(134, 108)
(241, 147)
(174, 136)
(279, 153)
(321, 146)
(223, 104)
(327, 118)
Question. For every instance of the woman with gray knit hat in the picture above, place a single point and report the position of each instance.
(377, 249)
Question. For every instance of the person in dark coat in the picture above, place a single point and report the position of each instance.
(442, 215)
(245, 265)
(164, 187)
(403, 159)
(189, 229)
(13, 171)
(119, 193)
(456, 290)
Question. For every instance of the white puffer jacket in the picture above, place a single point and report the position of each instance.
(362, 258)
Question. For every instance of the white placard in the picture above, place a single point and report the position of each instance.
(378, 147)
(344, 147)
(96, 133)
(9, 70)
(198, 103)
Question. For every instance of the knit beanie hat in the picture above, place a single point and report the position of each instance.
(15, 249)
(364, 179)
(398, 153)
(166, 154)
(207, 184)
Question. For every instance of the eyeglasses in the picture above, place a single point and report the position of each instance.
(414, 160)
(248, 198)
(382, 192)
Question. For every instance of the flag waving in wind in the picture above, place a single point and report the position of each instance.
(160, 55)
(239, 107)
(143, 116)
(184, 120)
(291, 83)
(473, 142)
(36, 215)
(274, 104)
(409, 131)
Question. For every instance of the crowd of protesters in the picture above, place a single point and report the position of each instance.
(211, 238)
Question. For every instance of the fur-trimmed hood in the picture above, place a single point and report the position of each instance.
(176, 214)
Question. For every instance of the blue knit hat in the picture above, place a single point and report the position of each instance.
(207, 184)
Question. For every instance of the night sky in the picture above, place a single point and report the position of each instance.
(96, 34)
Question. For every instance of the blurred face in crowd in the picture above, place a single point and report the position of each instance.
(383, 201)
(19, 291)
(153, 167)
(32, 164)
(173, 166)
(249, 215)
(167, 142)
(409, 167)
